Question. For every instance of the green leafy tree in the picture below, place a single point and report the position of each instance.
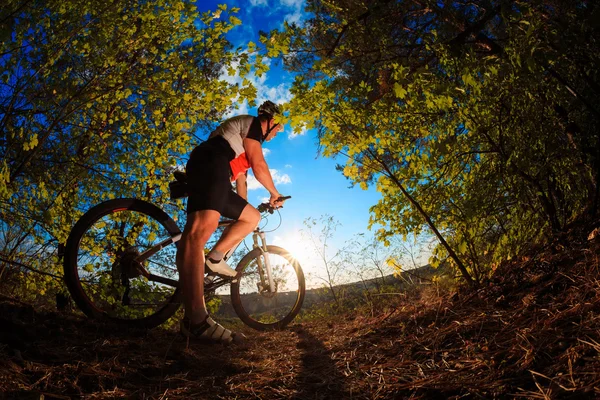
(474, 121)
(100, 100)
(367, 259)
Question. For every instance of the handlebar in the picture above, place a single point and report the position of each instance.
(266, 207)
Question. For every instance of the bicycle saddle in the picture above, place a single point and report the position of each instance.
(180, 176)
(178, 187)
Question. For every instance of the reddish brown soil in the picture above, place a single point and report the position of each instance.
(531, 332)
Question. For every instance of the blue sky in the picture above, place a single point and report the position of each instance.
(312, 181)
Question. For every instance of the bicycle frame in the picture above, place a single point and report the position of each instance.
(213, 284)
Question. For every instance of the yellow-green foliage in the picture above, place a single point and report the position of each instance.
(100, 100)
(457, 130)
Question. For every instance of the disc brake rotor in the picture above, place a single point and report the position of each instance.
(265, 292)
(126, 267)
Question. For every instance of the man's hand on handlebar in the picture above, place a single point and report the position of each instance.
(276, 200)
(270, 207)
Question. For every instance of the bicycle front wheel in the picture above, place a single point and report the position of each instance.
(257, 303)
(104, 272)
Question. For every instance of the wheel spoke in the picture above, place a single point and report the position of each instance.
(255, 303)
(102, 262)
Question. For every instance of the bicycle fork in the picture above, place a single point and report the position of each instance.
(262, 246)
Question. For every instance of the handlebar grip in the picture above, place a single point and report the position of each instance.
(267, 207)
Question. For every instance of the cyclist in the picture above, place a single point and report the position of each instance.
(231, 149)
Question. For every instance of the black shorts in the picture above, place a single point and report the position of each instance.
(208, 177)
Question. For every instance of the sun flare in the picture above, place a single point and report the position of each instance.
(298, 246)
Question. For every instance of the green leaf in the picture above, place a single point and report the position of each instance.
(399, 91)
(469, 80)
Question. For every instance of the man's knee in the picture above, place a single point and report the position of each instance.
(199, 229)
(251, 216)
(200, 236)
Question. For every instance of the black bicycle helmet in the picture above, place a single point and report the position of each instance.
(270, 108)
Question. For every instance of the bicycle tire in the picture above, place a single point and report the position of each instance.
(236, 297)
(72, 254)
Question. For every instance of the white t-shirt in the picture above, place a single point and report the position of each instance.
(234, 131)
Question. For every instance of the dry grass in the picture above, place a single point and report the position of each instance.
(532, 332)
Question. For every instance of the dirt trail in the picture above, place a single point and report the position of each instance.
(531, 332)
(66, 356)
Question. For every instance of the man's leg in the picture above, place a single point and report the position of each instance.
(190, 261)
(236, 232)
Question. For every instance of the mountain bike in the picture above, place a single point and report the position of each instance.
(119, 266)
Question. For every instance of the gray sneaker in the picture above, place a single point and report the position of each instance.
(220, 268)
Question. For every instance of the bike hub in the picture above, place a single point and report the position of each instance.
(126, 265)
(264, 291)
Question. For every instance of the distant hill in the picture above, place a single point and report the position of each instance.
(418, 276)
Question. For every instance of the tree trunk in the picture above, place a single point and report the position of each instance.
(453, 255)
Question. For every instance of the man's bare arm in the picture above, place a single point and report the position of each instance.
(259, 165)
(241, 186)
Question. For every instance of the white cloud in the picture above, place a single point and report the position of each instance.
(255, 3)
(253, 184)
(296, 17)
(266, 151)
(295, 4)
(267, 61)
(293, 135)
(277, 94)
(288, 165)
(242, 109)
(278, 179)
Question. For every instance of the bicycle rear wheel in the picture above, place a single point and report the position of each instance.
(256, 305)
(102, 273)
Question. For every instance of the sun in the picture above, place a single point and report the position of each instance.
(297, 246)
